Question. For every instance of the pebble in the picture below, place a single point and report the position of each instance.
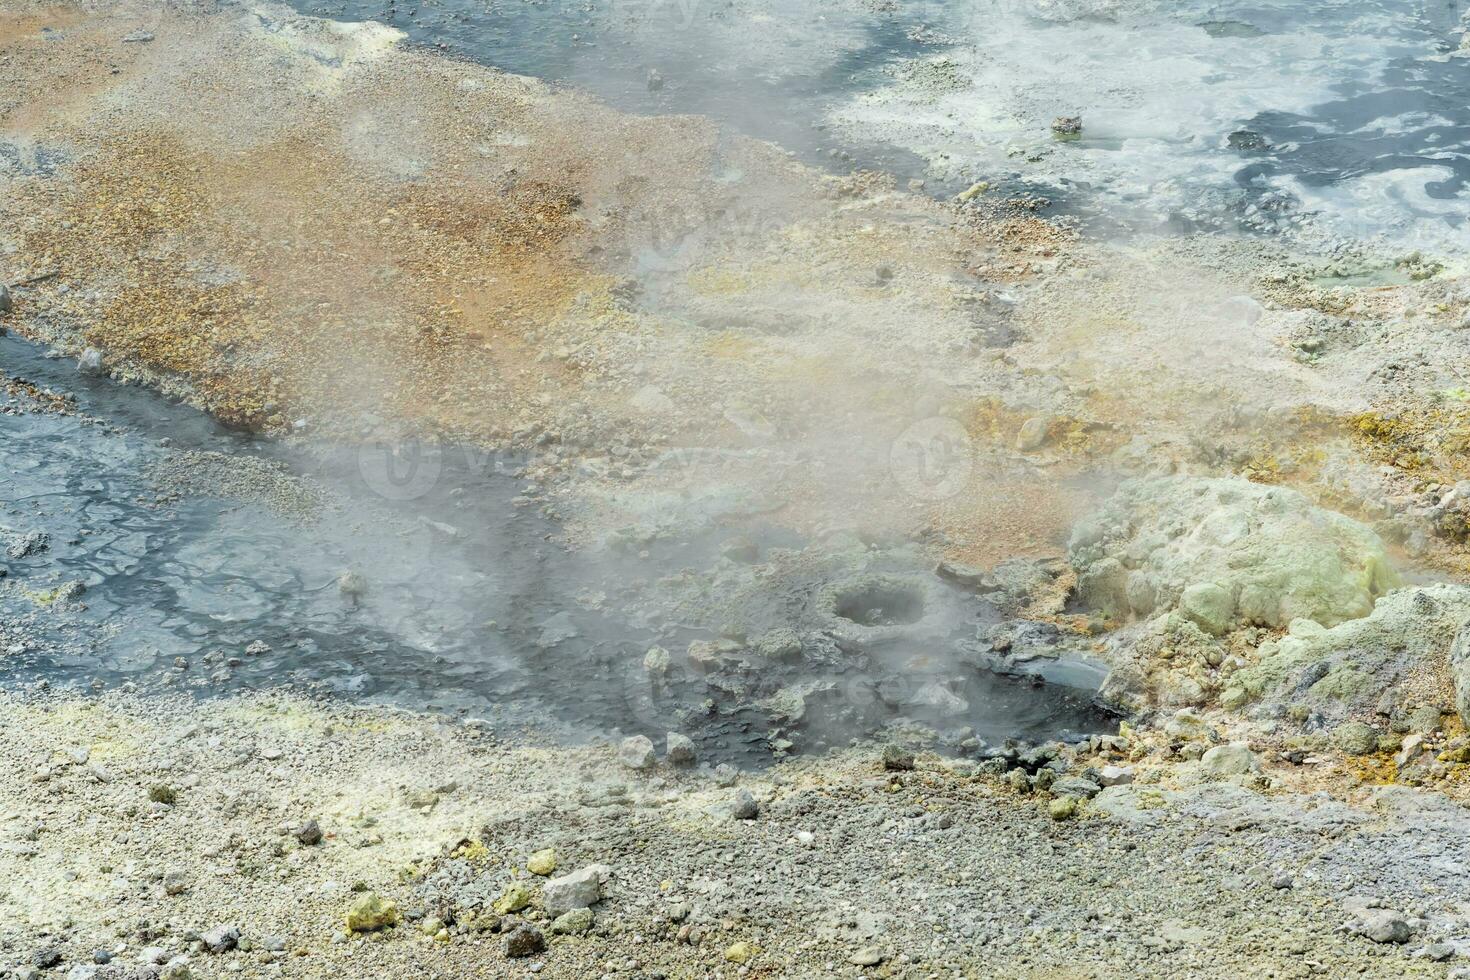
(525, 940)
(742, 806)
(577, 890)
(679, 750)
(543, 862)
(515, 897)
(636, 752)
(1115, 775)
(897, 759)
(1385, 926)
(91, 362)
(371, 913)
(1224, 761)
(220, 939)
(572, 923)
(6, 303)
(309, 833)
(868, 956)
(741, 952)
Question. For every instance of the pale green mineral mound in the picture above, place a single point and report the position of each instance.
(1226, 553)
(1358, 667)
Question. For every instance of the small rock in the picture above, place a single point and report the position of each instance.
(46, 958)
(1063, 808)
(1075, 786)
(741, 806)
(163, 793)
(636, 752)
(1282, 881)
(371, 913)
(869, 956)
(1439, 952)
(577, 890)
(175, 883)
(6, 303)
(1385, 926)
(897, 759)
(1067, 125)
(1356, 738)
(572, 923)
(515, 897)
(525, 940)
(1115, 775)
(679, 750)
(656, 660)
(1424, 719)
(1033, 434)
(137, 37)
(543, 862)
(91, 362)
(220, 939)
(726, 775)
(1224, 761)
(741, 952)
(309, 833)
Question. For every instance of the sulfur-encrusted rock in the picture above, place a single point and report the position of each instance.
(1226, 552)
(370, 913)
(1345, 672)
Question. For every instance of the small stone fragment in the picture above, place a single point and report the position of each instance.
(897, 759)
(572, 923)
(1356, 738)
(309, 833)
(1385, 926)
(577, 890)
(679, 750)
(91, 362)
(1033, 434)
(869, 956)
(515, 897)
(371, 913)
(741, 952)
(1063, 808)
(543, 862)
(637, 752)
(220, 939)
(525, 940)
(1224, 761)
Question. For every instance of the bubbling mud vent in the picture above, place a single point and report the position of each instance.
(153, 548)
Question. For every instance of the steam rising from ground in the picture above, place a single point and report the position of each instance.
(735, 384)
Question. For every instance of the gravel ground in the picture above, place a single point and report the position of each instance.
(137, 823)
(381, 244)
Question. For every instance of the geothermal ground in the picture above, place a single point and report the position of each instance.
(454, 527)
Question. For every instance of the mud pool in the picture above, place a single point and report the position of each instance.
(351, 574)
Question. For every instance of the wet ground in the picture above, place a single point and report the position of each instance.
(1243, 116)
(427, 578)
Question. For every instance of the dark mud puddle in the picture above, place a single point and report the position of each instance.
(432, 581)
